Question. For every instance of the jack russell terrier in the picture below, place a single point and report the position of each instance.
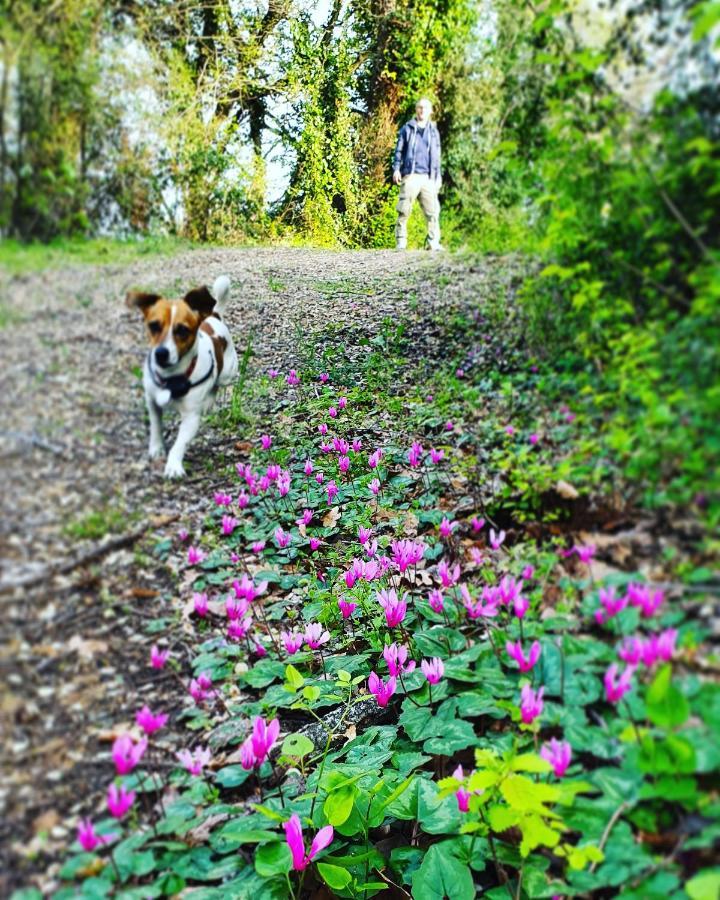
(191, 356)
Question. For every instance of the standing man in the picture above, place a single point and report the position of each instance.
(416, 168)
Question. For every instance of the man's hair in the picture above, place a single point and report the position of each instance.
(425, 101)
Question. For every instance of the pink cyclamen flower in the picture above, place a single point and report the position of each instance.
(381, 690)
(293, 379)
(195, 762)
(282, 538)
(531, 703)
(558, 754)
(407, 553)
(324, 377)
(520, 606)
(236, 607)
(374, 486)
(332, 491)
(643, 597)
(273, 373)
(487, 607)
(201, 688)
(364, 535)
(631, 651)
(119, 800)
(525, 663)
(126, 753)
(326, 448)
(436, 600)
(344, 463)
(150, 722)
(158, 657)
(666, 642)
(315, 637)
(314, 543)
(477, 523)
(294, 837)
(616, 688)
(332, 412)
(374, 458)
(528, 572)
(319, 477)
(342, 402)
(476, 555)
(395, 609)
(229, 524)
(433, 669)
(257, 546)
(585, 553)
(509, 430)
(461, 795)
(264, 737)
(323, 429)
(415, 453)
(346, 607)
(265, 441)
(611, 605)
(222, 499)
(534, 438)
(243, 500)
(308, 467)
(436, 455)
(305, 518)
(449, 575)
(200, 604)
(449, 425)
(195, 555)
(238, 629)
(292, 640)
(89, 839)
(246, 589)
(496, 538)
(182, 537)
(396, 657)
(446, 527)
(356, 445)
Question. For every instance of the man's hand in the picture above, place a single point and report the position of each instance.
(397, 177)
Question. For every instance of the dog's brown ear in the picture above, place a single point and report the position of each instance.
(201, 300)
(141, 301)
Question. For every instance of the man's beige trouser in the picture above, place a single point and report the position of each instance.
(423, 188)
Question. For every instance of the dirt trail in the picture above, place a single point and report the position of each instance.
(80, 500)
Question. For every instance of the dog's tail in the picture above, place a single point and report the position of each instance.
(221, 293)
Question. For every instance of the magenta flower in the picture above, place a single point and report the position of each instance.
(264, 737)
(433, 669)
(222, 499)
(666, 642)
(201, 688)
(324, 377)
(496, 538)
(477, 524)
(558, 754)
(283, 484)
(407, 553)
(308, 467)
(292, 640)
(294, 838)
(236, 607)
(119, 800)
(585, 554)
(357, 445)
(341, 446)
(528, 572)
(525, 663)
(282, 538)
(305, 518)
(344, 463)
(531, 703)
(395, 609)
(449, 575)
(126, 753)
(293, 379)
(436, 455)
(436, 600)
(631, 651)
(461, 795)
(364, 535)
(319, 477)
(611, 605)
(447, 527)
(314, 543)
(346, 608)
(150, 722)
(449, 425)
(509, 430)
(265, 441)
(374, 458)
(158, 657)
(381, 690)
(534, 438)
(374, 486)
(182, 537)
(228, 525)
(616, 688)
(273, 373)
(342, 402)
(195, 762)
(476, 555)
(257, 546)
(200, 604)
(371, 549)
(238, 628)
(264, 483)
(332, 412)
(642, 596)
(243, 500)
(89, 839)
(315, 637)
(332, 491)
(395, 655)
(323, 429)
(247, 590)
(195, 555)
(487, 607)
(415, 454)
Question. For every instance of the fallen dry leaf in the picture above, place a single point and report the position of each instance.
(566, 490)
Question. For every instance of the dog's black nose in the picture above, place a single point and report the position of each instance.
(162, 356)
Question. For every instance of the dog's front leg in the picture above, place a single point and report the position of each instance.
(188, 429)
(157, 445)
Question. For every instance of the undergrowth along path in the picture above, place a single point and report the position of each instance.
(427, 351)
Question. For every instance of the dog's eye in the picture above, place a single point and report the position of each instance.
(155, 327)
(182, 332)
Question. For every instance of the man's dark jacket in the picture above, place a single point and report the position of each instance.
(404, 160)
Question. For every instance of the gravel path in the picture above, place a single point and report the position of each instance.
(72, 445)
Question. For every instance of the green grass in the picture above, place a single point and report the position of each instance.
(96, 524)
(17, 258)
